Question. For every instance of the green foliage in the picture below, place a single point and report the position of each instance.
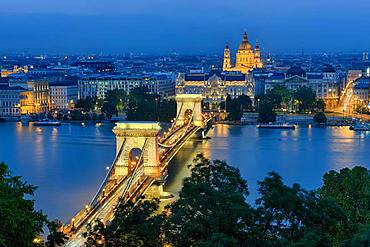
(266, 112)
(134, 224)
(167, 110)
(360, 239)
(55, 237)
(144, 106)
(279, 96)
(140, 105)
(114, 102)
(237, 106)
(86, 104)
(291, 216)
(350, 188)
(283, 95)
(306, 98)
(211, 210)
(362, 109)
(320, 105)
(320, 118)
(77, 115)
(20, 223)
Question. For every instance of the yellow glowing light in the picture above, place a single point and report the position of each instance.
(37, 240)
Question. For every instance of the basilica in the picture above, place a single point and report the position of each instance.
(247, 59)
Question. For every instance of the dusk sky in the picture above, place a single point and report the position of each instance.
(187, 26)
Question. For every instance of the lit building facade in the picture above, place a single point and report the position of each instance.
(247, 58)
(10, 99)
(326, 84)
(361, 91)
(15, 70)
(63, 95)
(215, 86)
(98, 85)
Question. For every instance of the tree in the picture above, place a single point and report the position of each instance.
(292, 216)
(320, 105)
(167, 110)
(280, 96)
(266, 112)
(362, 109)
(320, 118)
(20, 223)
(114, 102)
(237, 106)
(211, 209)
(306, 98)
(134, 224)
(86, 104)
(235, 110)
(245, 102)
(55, 237)
(350, 188)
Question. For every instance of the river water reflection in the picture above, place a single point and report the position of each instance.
(69, 162)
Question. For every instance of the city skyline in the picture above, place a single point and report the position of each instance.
(111, 27)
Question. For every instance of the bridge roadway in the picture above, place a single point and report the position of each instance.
(104, 210)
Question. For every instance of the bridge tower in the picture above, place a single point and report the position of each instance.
(189, 104)
(134, 139)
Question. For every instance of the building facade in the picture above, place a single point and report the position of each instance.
(361, 91)
(10, 101)
(98, 85)
(63, 96)
(15, 70)
(247, 58)
(215, 86)
(326, 84)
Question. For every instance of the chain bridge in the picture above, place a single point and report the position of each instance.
(141, 163)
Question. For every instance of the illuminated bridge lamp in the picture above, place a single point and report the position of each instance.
(73, 224)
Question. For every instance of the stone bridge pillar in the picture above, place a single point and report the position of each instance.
(136, 134)
(187, 103)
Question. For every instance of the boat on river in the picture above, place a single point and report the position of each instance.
(360, 127)
(276, 126)
(46, 122)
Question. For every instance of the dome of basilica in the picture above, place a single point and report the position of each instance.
(245, 45)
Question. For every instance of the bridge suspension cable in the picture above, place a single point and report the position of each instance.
(109, 174)
(139, 169)
(184, 132)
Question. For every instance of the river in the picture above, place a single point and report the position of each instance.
(69, 162)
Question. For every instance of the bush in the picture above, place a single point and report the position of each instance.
(320, 118)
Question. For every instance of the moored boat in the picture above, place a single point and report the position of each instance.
(360, 127)
(46, 122)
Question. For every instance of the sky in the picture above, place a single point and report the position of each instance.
(187, 26)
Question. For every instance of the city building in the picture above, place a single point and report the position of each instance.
(36, 97)
(361, 91)
(10, 101)
(325, 83)
(215, 86)
(365, 56)
(63, 95)
(246, 60)
(97, 85)
(15, 70)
